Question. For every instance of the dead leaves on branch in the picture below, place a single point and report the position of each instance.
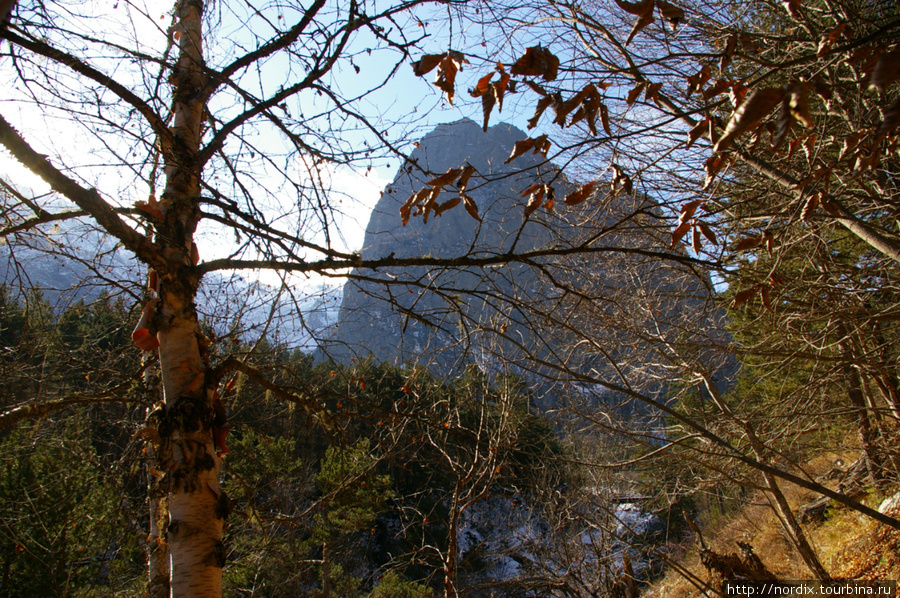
(713, 166)
(756, 107)
(829, 39)
(879, 65)
(744, 297)
(492, 93)
(580, 195)
(585, 106)
(621, 182)
(688, 223)
(643, 10)
(537, 194)
(424, 201)
(447, 64)
(765, 238)
(537, 62)
(538, 145)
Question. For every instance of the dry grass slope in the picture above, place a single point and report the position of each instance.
(850, 545)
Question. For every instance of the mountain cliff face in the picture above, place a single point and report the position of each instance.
(415, 314)
(554, 318)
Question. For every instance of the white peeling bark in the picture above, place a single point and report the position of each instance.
(195, 502)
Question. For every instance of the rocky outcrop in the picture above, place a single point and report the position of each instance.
(577, 312)
(418, 314)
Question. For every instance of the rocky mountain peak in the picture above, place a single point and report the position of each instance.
(373, 317)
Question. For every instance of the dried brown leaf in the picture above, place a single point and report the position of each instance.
(642, 22)
(604, 119)
(621, 181)
(737, 94)
(728, 52)
(426, 64)
(467, 171)
(636, 8)
(446, 75)
(828, 40)
(471, 206)
(519, 148)
(769, 240)
(414, 200)
(482, 86)
(688, 209)
(542, 105)
(577, 197)
(829, 206)
(446, 178)
(707, 232)
(679, 233)
(430, 203)
(766, 298)
(698, 80)
(809, 147)
(785, 123)
(697, 131)
(754, 109)
(499, 88)
(452, 203)
(534, 202)
(653, 92)
(696, 245)
(799, 106)
(536, 88)
(542, 145)
(750, 243)
(635, 93)
(713, 131)
(591, 107)
(809, 207)
(720, 86)
(743, 297)
(488, 100)
(532, 189)
(887, 70)
(673, 14)
(563, 109)
(794, 146)
(712, 166)
(550, 193)
(537, 61)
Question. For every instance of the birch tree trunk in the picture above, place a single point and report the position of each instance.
(192, 466)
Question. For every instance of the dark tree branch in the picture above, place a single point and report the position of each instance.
(465, 261)
(88, 200)
(119, 394)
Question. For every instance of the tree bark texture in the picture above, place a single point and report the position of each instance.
(192, 467)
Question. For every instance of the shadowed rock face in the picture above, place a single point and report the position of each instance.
(415, 314)
(580, 312)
